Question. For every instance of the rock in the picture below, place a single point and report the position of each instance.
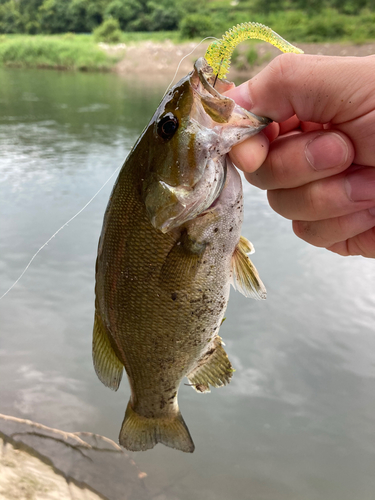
(41, 463)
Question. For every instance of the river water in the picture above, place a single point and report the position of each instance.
(298, 420)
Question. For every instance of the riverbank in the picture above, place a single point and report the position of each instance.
(152, 60)
(41, 463)
(138, 57)
(68, 52)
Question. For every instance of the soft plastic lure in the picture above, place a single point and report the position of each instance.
(219, 53)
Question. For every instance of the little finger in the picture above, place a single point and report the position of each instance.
(362, 244)
(325, 233)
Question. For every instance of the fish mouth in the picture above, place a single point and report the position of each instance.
(208, 130)
(221, 109)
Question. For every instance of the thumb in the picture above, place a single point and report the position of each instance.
(315, 88)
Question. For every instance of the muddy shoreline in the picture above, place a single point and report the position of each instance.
(158, 61)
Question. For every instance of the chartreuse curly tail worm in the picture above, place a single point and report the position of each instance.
(219, 53)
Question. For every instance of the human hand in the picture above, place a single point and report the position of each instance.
(319, 169)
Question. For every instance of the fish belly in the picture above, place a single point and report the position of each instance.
(161, 306)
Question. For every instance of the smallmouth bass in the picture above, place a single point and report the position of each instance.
(169, 249)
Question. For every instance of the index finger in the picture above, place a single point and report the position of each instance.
(318, 89)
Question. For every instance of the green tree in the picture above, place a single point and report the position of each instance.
(123, 11)
(108, 31)
(10, 18)
(29, 7)
(77, 16)
(191, 6)
(163, 16)
(144, 15)
(196, 25)
(53, 16)
(95, 14)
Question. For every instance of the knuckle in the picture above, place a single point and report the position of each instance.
(362, 244)
(284, 65)
(340, 248)
(315, 201)
(255, 179)
(276, 200)
(278, 169)
(304, 230)
(272, 197)
(311, 233)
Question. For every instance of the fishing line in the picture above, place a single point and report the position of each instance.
(187, 55)
(60, 229)
(106, 182)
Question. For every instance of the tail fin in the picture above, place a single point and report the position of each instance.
(140, 433)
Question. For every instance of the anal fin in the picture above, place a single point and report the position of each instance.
(214, 368)
(108, 367)
(245, 276)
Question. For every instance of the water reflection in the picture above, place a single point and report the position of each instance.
(298, 419)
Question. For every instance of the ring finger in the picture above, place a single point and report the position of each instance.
(342, 194)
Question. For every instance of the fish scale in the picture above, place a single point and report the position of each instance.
(166, 259)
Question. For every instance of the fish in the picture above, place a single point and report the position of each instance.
(169, 249)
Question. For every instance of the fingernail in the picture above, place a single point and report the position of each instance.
(372, 211)
(327, 150)
(360, 184)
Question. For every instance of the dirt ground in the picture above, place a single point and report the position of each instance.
(159, 61)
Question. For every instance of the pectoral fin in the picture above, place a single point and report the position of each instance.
(214, 368)
(181, 264)
(107, 365)
(245, 277)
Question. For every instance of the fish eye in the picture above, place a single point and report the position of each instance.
(167, 126)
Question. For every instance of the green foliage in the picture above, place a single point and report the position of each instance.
(77, 15)
(53, 16)
(192, 7)
(109, 31)
(196, 25)
(155, 36)
(163, 16)
(124, 12)
(252, 56)
(246, 56)
(54, 52)
(10, 17)
(297, 20)
(32, 27)
(329, 25)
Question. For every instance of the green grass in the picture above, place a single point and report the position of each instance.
(155, 36)
(68, 51)
(75, 52)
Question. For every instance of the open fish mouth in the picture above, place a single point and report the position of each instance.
(209, 127)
